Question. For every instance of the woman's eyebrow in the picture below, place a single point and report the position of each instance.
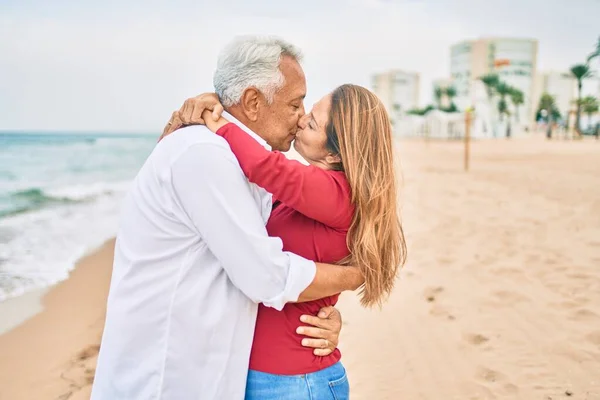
(312, 117)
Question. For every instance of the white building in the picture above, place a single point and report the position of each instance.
(398, 90)
(513, 60)
(561, 85)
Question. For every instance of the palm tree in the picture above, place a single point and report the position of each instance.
(503, 90)
(490, 81)
(595, 53)
(451, 93)
(590, 105)
(548, 104)
(580, 72)
(517, 98)
(438, 92)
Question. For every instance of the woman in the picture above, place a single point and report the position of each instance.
(341, 208)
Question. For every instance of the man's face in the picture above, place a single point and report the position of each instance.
(278, 122)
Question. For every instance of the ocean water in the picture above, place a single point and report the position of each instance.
(59, 198)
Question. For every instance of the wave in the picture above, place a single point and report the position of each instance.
(30, 200)
(36, 198)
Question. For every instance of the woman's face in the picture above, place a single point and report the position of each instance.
(311, 138)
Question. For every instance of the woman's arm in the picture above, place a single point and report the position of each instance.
(316, 193)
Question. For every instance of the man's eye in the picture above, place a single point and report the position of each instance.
(295, 107)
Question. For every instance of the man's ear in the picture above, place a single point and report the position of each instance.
(250, 103)
(333, 158)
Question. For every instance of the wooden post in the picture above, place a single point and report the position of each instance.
(467, 137)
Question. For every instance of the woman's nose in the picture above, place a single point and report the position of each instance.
(302, 121)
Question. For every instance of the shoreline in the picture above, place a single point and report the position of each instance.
(17, 310)
(52, 354)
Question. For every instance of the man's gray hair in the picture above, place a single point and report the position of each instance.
(251, 61)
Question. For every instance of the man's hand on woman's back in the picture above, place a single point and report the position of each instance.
(191, 112)
(324, 334)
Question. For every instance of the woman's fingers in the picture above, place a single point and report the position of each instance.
(217, 112)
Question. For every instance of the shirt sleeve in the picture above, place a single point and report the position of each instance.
(215, 195)
(319, 194)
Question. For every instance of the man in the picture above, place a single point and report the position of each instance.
(193, 258)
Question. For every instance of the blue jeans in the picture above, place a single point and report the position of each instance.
(328, 384)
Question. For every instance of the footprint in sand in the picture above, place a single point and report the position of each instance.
(498, 379)
(506, 298)
(570, 304)
(431, 293)
(583, 314)
(489, 375)
(80, 373)
(88, 352)
(476, 339)
(439, 311)
(445, 260)
(593, 337)
(579, 276)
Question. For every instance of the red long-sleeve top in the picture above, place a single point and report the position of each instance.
(312, 212)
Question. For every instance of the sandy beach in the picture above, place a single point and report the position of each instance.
(500, 298)
(53, 354)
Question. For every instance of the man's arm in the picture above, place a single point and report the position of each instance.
(331, 279)
(213, 192)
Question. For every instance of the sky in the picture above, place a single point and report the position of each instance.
(124, 66)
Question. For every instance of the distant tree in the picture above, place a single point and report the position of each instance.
(595, 53)
(490, 81)
(420, 111)
(548, 104)
(504, 90)
(589, 105)
(580, 72)
(438, 92)
(428, 108)
(450, 109)
(451, 93)
(517, 98)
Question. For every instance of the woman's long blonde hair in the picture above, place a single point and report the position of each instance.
(359, 130)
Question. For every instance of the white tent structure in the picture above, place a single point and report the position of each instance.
(438, 124)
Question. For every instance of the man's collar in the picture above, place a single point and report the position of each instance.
(249, 131)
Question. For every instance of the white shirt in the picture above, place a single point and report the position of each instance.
(192, 260)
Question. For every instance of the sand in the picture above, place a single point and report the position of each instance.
(53, 355)
(500, 298)
(16, 310)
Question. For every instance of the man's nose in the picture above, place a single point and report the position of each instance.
(302, 121)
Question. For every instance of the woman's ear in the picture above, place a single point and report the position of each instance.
(333, 158)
